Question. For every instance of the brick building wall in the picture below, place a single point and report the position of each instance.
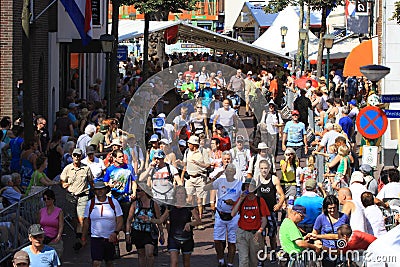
(12, 61)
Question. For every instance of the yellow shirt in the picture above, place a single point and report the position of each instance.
(289, 176)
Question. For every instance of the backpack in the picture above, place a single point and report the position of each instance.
(93, 203)
(170, 177)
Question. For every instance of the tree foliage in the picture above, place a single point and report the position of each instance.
(275, 6)
(174, 6)
(396, 12)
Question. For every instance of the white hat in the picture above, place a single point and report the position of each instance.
(182, 142)
(249, 72)
(153, 138)
(165, 141)
(161, 115)
(357, 176)
(194, 140)
(262, 145)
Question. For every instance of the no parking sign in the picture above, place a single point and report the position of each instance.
(371, 122)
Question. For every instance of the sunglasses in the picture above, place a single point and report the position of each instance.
(47, 198)
(289, 154)
(295, 115)
(77, 155)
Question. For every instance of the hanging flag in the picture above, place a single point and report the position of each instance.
(349, 9)
(80, 12)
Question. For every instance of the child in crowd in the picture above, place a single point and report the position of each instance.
(308, 172)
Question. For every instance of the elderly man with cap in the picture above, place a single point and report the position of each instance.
(95, 164)
(254, 165)
(21, 259)
(76, 178)
(271, 125)
(292, 241)
(104, 215)
(40, 255)
(295, 135)
(228, 191)
(240, 157)
(253, 213)
(84, 139)
(195, 161)
(162, 178)
(313, 204)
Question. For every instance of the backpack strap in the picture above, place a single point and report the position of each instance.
(93, 203)
(254, 164)
(258, 203)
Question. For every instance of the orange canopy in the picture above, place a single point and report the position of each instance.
(361, 55)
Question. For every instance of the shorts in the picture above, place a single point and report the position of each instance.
(175, 245)
(194, 186)
(141, 238)
(222, 227)
(81, 205)
(101, 249)
(272, 224)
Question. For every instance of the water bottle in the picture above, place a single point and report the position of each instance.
(290, 202)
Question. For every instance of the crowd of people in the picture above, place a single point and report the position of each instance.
(198, 158)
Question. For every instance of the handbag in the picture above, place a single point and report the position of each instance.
(182, 238)
(224, 216)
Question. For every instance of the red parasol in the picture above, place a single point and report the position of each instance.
(301, 82)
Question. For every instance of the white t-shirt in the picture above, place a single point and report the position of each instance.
(97, 166)
(270, 119)
(329, 138)
(180, 122)
(386, 246)
(227, 190)
(240, 158)
(375, 221)
(162, 187)
(391, 190)
(226, 116)
(102, 217)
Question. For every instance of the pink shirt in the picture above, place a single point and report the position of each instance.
(50, 222)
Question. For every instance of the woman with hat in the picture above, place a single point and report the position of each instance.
(155, 145)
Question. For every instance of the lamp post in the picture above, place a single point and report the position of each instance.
(328, 43)
(107, 46)
(284, 30)
(303, 37)
(374, 73)
(371, 17)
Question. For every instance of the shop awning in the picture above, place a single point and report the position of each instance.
(129, 29)
(361, 55)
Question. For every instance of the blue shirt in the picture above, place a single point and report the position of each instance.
(347, 124)
(46, 258)
(121, 177)
(313, 205)
(295, 133)
(11, 195)
(323, 226)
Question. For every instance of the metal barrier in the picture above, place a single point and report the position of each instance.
(15, 221)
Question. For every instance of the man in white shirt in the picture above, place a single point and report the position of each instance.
(104, 215)
(226, 116)
(329, 137)
(95, 164)
(270, 126)
(392, 189)
(240, 157)
(375, 220)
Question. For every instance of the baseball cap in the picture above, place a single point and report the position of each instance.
(353, 102)
(90, 150)
(311, 184)
(219, 126)
(77, 151)
(165, 141)
(357, 177)
(21, 257)
(197, 75)
(73, 105)
(218, 72)
(182, 142)
(365, 168)
(194, 140)
(240, 138)
(159, 154)
(188, 75)
(153, 138)
(35, 229)
(295, 112)
(249, 72)
(180, 73)
(251, 182)
(161, 115)
(300, 209)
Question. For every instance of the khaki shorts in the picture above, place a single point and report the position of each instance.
(194, 186)
(81, 205)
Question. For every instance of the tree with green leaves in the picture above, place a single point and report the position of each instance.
(323, 5)
(158, 10)
(396, 12)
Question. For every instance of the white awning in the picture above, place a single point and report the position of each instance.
(132, 28)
